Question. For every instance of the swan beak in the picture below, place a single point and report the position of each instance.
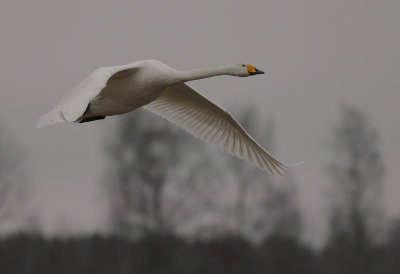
(256, 71)
(253, 70)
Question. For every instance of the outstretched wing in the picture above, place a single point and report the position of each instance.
(191, 111)
(73, 104)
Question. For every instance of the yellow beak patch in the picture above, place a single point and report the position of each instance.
(251, 69)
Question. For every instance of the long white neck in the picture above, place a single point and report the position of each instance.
(203, 73)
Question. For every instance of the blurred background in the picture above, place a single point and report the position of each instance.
(135, 194)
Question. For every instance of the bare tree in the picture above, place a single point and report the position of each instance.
(143, 153)
(282, 217)
(357, 173)
(264, 205)
(193, 198)
(12, 178)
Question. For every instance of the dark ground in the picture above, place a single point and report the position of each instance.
(25, 254)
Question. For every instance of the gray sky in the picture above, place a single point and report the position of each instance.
(317, 54)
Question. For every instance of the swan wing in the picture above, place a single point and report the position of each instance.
(73, 104)
(183, 106)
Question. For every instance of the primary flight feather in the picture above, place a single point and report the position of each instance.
(162, 90)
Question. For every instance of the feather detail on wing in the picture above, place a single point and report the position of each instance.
(73, 104)
(205, 120)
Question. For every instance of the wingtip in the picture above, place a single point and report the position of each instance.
(281, 169)
(44, 123)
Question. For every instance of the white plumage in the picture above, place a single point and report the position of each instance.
(162, 90)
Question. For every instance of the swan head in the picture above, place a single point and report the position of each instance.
(244, 70)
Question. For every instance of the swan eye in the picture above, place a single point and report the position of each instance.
(243, 66)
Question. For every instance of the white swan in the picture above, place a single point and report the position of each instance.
(162, 90)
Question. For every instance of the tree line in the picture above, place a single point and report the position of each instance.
(179, 206)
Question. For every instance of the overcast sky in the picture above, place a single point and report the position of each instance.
(317, 55)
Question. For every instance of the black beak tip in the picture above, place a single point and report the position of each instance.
(257, 72)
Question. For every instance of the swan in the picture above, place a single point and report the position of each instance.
(162, 90)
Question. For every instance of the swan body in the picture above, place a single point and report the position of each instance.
(162, 90)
